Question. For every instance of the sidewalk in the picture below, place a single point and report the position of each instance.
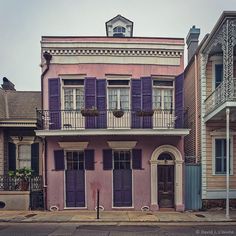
(115, 217)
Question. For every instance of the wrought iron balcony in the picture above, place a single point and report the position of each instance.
(9, 183)
(225, 92)
(109, 119)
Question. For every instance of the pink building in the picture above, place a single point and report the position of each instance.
(112, 120)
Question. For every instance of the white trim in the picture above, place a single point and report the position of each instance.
(222, 132)
(219, 109)
(178, 174)
(115, 207)
(215, 61)
(113, 132)
(85, 185)
(121, 145)
(26, 140)
(73, 145)
(213, 155)
(219, 194)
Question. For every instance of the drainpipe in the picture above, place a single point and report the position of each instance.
(47, 56)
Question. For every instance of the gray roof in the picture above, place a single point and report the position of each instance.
(19, 104)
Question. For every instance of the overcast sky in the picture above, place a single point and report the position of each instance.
(23, 22)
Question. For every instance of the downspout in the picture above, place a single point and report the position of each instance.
(47, 56)
(196, 107)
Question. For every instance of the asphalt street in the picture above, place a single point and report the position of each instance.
(69, 229)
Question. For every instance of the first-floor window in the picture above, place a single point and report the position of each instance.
(75, 160)
(220, 156)
(122, 160)
(24, 156)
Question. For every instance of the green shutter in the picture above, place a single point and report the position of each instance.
(35, 158)
(11, 156)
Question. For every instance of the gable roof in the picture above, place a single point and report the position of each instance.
(19, 105)
(119, 17)
(224, 16)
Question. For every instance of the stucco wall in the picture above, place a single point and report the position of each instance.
(15, 200)
(102, 179)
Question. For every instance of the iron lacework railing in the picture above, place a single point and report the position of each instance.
(225, 92)
(9, 183)
(109, 119)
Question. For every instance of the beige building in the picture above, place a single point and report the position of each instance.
(210, 94)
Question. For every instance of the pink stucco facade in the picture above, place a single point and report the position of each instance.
(102, 179)
(105, 58)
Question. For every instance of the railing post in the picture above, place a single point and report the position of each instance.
(98, 204)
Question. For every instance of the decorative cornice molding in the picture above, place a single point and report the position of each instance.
(113, 52)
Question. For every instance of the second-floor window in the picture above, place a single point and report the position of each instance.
(163, 95)
(118, 94)
(73, 95)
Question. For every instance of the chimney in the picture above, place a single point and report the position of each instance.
(192, 41)
(7, 84)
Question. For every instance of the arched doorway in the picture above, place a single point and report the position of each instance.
(165, 180)
(167, 159)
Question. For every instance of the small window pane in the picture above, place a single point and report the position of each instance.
(68, 99)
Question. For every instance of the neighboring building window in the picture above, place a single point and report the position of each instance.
(73, 96)
(163, 94)
(118, 94)
(24, 156)
(75, 160)
(218, 74)
(122, 160)
(220, 156)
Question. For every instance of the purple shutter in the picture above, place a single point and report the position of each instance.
(179, 101)
(54, 103)
(89, 159)
(90, 101)
(75, 188)
(101, 103)
(147, 100)
(107, 159)
(137, 159)
(135, 102)
(59, 160)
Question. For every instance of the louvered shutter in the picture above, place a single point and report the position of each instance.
(54, 103)
(135, 102)
(59, 160)
(179, 101)
(147, 100)
(107, 159)
(11, 156)
(89, 159)
(35, 158)
(101, 103)
(90, 101)
(137, 159)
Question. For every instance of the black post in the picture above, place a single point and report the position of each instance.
(97, 203)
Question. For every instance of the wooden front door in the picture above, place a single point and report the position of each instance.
(75, 179)
(122, 179)
(166, 186)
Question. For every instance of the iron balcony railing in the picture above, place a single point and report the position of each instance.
(225, 92)
(109, 119)
(9, 183)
